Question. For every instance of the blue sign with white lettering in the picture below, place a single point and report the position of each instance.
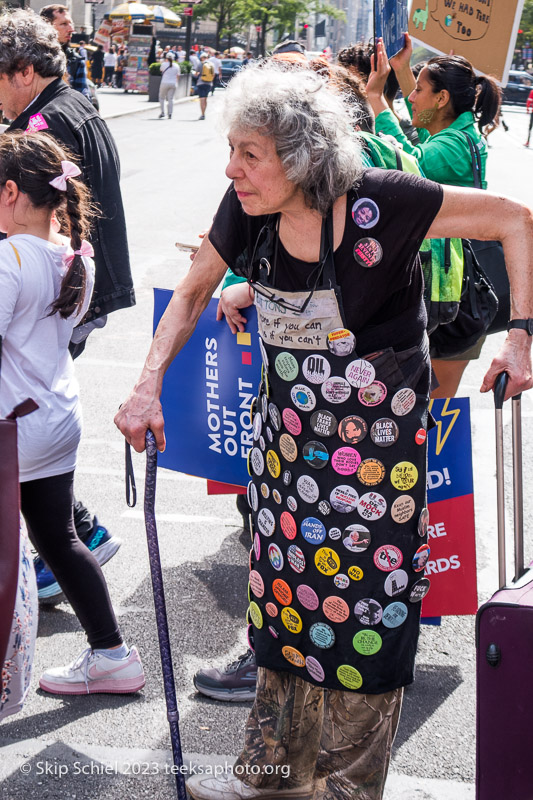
(206, 397)
(391, 20)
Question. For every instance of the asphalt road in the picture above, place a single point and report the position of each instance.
(86, 747)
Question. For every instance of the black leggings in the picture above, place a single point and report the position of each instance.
(47, 508)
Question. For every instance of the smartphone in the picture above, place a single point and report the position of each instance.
(187, 248)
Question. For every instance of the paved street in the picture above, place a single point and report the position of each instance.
(92, 747)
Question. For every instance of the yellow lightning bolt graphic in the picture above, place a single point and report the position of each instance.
(453, 413)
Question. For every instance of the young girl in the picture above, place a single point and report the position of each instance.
(45, 288)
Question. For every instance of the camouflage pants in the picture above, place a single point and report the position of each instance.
(338, 743)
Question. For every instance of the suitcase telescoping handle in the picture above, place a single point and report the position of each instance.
(518, 496)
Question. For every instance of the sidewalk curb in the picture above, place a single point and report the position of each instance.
(149, 107)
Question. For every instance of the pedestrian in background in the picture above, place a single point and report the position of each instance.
(110, 62)
(170, 73)
(46, 282)
(204, 82)
(122, 60)
(97, 65)
(60, 18)
(217, 64)
(529, 110)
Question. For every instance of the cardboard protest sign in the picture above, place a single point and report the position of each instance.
(483, 31)
(206, 398)
(390, 23)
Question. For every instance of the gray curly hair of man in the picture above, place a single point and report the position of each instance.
(310, 122)
(28, 40)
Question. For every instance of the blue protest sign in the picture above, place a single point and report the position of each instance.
(450, 450)
(207, 393)
(390, 23)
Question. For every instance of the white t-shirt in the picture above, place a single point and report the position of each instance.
(110, 60)
(181, 55)
(217, 63)
(36, 362)
(169, 73)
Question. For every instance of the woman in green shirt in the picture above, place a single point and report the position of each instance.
(448, 103)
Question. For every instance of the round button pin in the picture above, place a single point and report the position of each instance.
(396, 582)
(335, 609)
(324, 507)
(288, 447)
(286, 366)
(291, 619)
(388, 557)
(352, 429)
(292, 503)
(420, 436)
(394, 615)
(327, 561)
(263, 352)
(344, 499)
(357, 538)
(360, 373)
(403, 402)
(292, 421)
(315, 455)
(275, 416)
(257, 546)
(371, 472)
(282, 592)
(303, 397)
(270, 435)
(336, 390)
(334, 533)
(313, 530)
(264, 407)
(257, 461)
(365, 213)
(253, 499)
(345, 460)
(419, 590)
(355, 573)
(257, 426)
(266, 522)
(293, 656)
(349, 677)
(262, 444)
(288, 525)
(323, 423)
(341, 342)
(372, 395)
(341, 581)
(286, 477)
(307, 597)
(372, 506)
(316, 369)
(255, 615)
(384, 432)
(367, 643)
(322, 635)
(368, 252)
(275, 556)
(403, 476)
(276, 496)
(273, 463)
(315, 669)
(271, 610)
(420, 558)
(403, 509)
(368, 611)
(256, 583)
(423, 522)
(307, 488)
(296, 558)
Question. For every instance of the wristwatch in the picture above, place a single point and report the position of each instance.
(523, 324)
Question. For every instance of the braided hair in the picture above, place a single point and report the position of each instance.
(31, 161)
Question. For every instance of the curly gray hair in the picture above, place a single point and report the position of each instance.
(310, 122)
(27, 39)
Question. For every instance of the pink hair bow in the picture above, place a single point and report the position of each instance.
(86, 249)
(70, 170)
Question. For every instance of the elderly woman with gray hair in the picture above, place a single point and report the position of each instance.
(339, 528)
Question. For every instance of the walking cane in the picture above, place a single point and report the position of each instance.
(159, 597)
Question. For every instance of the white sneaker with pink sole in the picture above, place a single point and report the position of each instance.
(95, 672)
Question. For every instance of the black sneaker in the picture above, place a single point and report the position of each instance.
(234, 683)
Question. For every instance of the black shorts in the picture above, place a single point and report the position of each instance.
(203, 88)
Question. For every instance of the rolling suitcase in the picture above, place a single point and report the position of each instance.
(504, 644)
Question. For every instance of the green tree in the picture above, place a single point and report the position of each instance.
(526, 25)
